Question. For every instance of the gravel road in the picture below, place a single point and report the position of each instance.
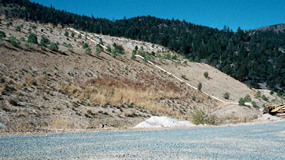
(262, 141)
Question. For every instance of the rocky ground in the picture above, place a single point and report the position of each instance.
(45, 90)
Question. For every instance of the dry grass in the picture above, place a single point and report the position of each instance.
(60, 123)
(116, 92)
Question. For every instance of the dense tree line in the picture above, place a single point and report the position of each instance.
(251, 57)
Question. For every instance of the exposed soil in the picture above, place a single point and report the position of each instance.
(41, 89)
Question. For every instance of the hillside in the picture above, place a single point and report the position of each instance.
(253, 58)
(67, 81)
(275, 28)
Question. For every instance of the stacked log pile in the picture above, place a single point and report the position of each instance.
(276, 109)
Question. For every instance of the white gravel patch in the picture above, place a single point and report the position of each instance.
(159, 122)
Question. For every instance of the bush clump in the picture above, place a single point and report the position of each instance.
(227, 95)
(53, 46)
(33, 38)
(2, 34)
(247, 98)
(44, 41)
(14, 41)
(199, 86)
(257, 95)
(88, 51)
(241, 102)
(206, 75)
(199, 117)
(85, 45)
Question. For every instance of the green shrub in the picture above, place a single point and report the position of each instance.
(18, 28)
(88, 51)
(174, 57)
(28, 46)
(145, 59)
(8, 24)
(114, 53)
(53, 46)
(199, 117)
(241, 102)
(44, 41)
(254, 104)
(2, 34)
(14, 41)
(206, 75)
(119, 48)
(72, 34)
(264, 98)
(199, 86)
(66, 33)
(67, 45)
(85, 45)
(33, 38)
(109, 49)
(247, 98)
(98, 49)
(227, 95)
(134, 52)
(257, 95)
(79, 36)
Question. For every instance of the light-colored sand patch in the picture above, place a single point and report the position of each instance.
(158, 122)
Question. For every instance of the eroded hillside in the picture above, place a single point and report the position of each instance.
(65, 80)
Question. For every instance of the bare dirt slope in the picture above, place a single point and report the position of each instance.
(71, 87)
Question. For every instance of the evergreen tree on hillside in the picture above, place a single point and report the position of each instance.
(252, 57)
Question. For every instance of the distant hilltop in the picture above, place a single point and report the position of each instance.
(275, 28)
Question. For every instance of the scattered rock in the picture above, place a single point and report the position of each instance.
(2, 126)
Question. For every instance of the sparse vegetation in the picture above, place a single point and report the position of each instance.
(53, 46)
(44, 41)
(199, 117)
(88, 51)
(109, 49)
(206, 75)
(72, 34)
(227, 95)
(85, 45)
(257, 95)
(14, 41)
(184, 77)
(263, 97)
(241, 102)
(18, 28)
(2, 34)
(254, 104)
(247, 98)
(118, 49)
(134, 52)
(98, 49)
(33, 38)
(8, 24)
(66, 33)
(199, 86)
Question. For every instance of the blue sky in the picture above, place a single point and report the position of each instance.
(247, 14)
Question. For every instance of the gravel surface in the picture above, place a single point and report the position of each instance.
(262, 141)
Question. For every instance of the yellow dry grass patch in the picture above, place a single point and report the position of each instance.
(59, 122)
(119, 94)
